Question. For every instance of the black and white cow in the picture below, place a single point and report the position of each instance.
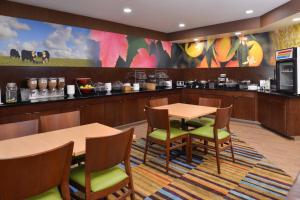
(28, 55)
(14, 53)
(44, 55)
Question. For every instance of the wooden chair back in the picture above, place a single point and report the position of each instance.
(106, 152)
(158, 118)
(223, 118)
(212, 102)
(18, 129)
(59, 121)
(31, 175)
(158, 102)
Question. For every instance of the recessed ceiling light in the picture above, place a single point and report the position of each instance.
(237, 33)
(127, 10)
(296, 19)
(248, 12)
(196, 39)
(181, 25)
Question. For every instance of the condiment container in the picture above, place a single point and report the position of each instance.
(136, 86)
(71, 90)
(11, 93)
(151, 86)
(108, 87)
(32, 83)
(43, 83)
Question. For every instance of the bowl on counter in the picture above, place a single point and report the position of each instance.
(87, 90)
(83, 81)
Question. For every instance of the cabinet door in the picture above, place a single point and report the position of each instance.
(278, 115)
(263, 107)
(129, 111)
(244, 108)
(141, 106)
(113, 113)
(191, 98)
(272, 112)
(174, 98)
(92, 114)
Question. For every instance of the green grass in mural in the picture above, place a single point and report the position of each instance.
(53, 62)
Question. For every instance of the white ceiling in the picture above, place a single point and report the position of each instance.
(162, 15)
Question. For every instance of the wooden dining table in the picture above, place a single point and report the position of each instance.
(38, 143)
(187, 111)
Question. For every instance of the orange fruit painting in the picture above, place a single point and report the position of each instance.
(194, 49)
(255, 53)
(222, 47)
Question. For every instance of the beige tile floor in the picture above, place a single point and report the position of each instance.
(283, 152)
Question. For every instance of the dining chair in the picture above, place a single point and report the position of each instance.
(18, 129)
(219, 135)
(102, 175)
(162, 102)
(40, 176)
(59, 121)
(160, 132)
(205, 121)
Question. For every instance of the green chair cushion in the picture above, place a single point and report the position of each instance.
(161, 134)
(99, 180)
(52, 194)
(208, 132)
(203, 121)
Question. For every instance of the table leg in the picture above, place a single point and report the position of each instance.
(183, 127)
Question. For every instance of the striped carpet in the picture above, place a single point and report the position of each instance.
(252, 176)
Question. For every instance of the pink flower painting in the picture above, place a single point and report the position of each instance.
(111, 45)
(167, 46)
(143, 59)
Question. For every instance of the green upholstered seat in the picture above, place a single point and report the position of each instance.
(99, 180)
(52, 194)
(161, 134)
(203, 121)
(208, 132)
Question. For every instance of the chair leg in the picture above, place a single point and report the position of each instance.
(205, 148)
(189, 147)
(167, 157)
(146, 151)
(232, 153)
(218, 156)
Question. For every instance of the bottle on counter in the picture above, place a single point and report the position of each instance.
(11, 93)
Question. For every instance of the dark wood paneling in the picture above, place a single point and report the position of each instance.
(272, 112)
(244, 107)
(248, 73)
(244, 103)
(42, 14)
(290, 8)
(293, 117)
(228, 27)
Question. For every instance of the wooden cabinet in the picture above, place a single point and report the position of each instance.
(92, 114)
(244, 102)
(244, 107)
(278, 113)
(113, 112)
(272, 112)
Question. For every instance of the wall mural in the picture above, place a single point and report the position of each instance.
(26, 42)
(246, 51)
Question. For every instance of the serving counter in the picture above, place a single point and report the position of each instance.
(275, 111)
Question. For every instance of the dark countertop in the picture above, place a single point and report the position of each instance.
(289, 95)
(78, 97)
(119, 93)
